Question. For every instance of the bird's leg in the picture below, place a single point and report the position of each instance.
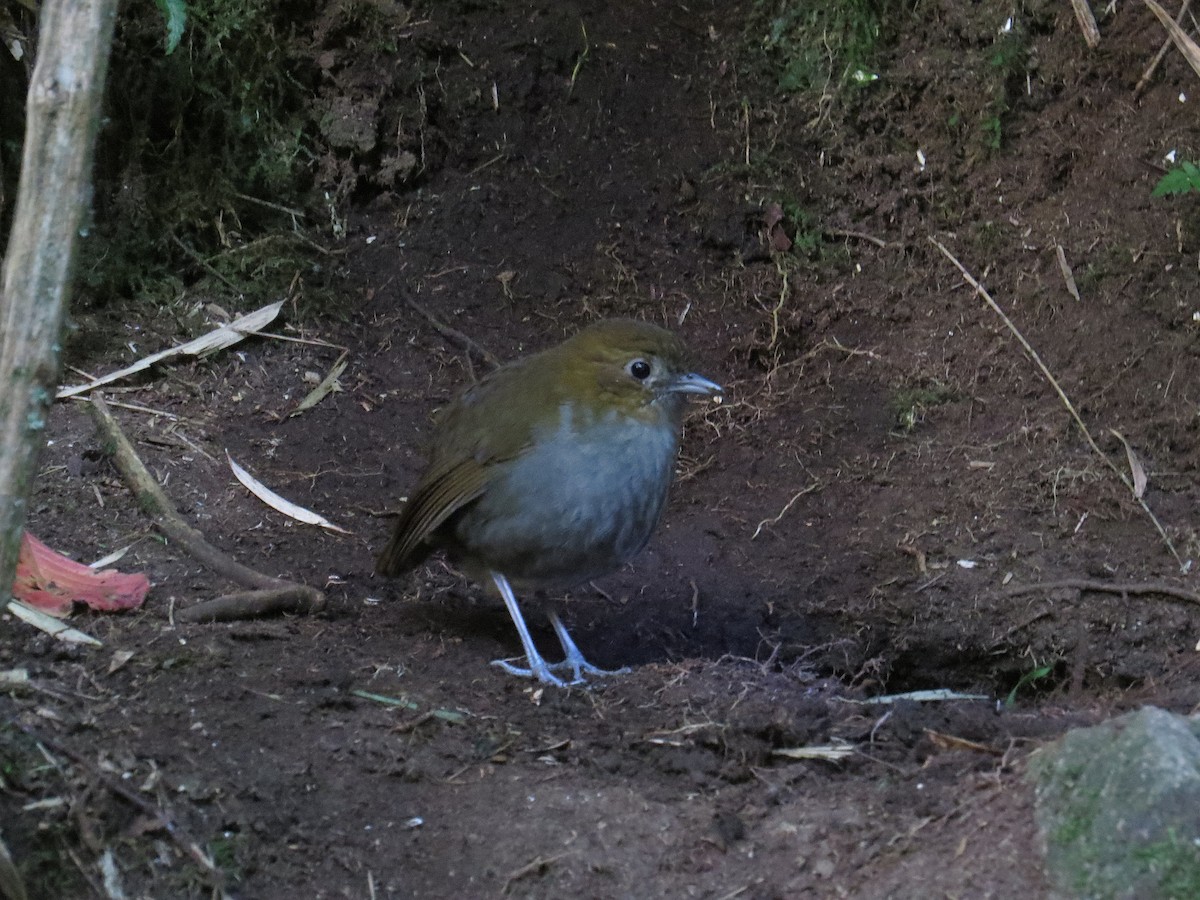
(537, 666)
(575, 661)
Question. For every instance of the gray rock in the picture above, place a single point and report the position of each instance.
(1118, 806)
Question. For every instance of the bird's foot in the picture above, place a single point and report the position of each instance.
(575, 660)
(539, 669)
(544, 671)
(580, 667)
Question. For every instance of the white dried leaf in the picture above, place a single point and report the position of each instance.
(828, 752)
(52, 626)
(278, 503)
(1136, 470)
(217, 339)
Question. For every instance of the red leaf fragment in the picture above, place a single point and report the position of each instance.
(50, 582)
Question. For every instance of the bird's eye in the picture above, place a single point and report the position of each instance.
(639, 369)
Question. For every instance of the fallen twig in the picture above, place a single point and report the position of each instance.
(206, 266)
(1104, 587)
(1162, 52)
(533, 867)
(297, 599)
(270, 595)
(1182, 40)
(857, 235)
(453, 334)
(787, 506)
(1033, 354)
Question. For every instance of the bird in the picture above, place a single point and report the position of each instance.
(553, 470)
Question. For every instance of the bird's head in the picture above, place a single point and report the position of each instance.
(628, 367)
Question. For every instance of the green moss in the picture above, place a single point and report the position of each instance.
(821, 44)
(226, 852)
(1174, 865)
(911, 403)
(201, 153)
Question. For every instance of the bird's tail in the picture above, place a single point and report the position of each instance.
(398, 558)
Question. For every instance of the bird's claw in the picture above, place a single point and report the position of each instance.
(543, 672)
(581, 667)
(574, 659)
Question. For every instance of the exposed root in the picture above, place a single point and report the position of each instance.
(1106, 587)
(269, 595)
(787, 506)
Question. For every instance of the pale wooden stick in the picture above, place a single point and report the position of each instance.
(1033, 354)
(63, 109)
(1087, 23)
(1162, 52)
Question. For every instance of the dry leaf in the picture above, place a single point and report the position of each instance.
(773, 219)
(12, 678)
(1136, 469)
(50, 625)
(111, 558)
(218, 339)
(828, 752)
(932, 695)
(1065, 268)
(277, 503)
(328, 385)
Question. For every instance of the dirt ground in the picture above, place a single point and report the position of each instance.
(890, 498)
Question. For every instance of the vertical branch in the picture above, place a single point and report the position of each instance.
(63, 109)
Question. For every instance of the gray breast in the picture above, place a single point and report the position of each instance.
(597, 494)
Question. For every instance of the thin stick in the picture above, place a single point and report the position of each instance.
(1106, 587)
(277, 594)
(533, 866)
(982, 292)
(1189, 49)
(315, 342)
(787, 506)
(298, 213)
(134, 407)
(1144, 81)
(206, 266)
(453, 334)
(746, 118)
(857, 235)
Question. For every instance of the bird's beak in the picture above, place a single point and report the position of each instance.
(691, 383)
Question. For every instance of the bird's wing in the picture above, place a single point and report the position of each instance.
(444, 490)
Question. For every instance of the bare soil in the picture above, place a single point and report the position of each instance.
(870, 511)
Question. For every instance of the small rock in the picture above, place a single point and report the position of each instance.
(1118, 806)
